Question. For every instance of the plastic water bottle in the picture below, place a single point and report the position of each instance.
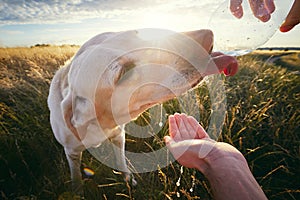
(236, 37)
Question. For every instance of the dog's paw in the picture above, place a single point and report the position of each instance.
(129, 178)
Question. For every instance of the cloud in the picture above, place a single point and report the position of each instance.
(27, 22)
(23, 12)
(11, 32)
(54, 11)
(57, 11)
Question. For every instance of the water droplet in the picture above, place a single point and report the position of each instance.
(178, 182)
(193, 182)
(181, 170)
(160, 124)
(178, 195)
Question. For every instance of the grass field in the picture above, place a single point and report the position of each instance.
(262, 121)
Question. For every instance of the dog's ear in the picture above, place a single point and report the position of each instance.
(66, 107)
(77, 112)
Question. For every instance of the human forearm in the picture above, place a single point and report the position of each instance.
(232, 179)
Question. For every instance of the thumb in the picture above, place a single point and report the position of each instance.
(168, 140)
(292, 18)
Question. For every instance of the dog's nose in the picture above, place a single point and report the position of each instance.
(203, 37)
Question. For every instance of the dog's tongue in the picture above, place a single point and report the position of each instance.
(226, 64)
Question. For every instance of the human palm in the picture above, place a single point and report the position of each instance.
(192, 147)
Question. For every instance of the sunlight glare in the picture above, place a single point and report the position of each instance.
(154, 34)
(157, 20)
(158, 26)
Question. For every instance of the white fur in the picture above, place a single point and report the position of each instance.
(90, 99)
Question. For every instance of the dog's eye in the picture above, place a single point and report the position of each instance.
(129, 65)
(127, 70)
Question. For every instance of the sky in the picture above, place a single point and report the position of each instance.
(30, 22)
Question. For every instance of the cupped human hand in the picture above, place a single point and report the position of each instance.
(222, 164)
(192, 147)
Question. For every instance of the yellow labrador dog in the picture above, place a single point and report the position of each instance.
(114, 77)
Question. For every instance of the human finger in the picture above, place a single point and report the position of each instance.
(173, 128)
(293, 18)
(236, 8)
(260, 10)
(168, 140)
(201, 133)
(183, 133)
(191, 130)
(270, 5)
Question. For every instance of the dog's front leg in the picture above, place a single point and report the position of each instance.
(119, 150)
(74, 160)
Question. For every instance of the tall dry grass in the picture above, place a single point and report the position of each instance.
(262, 120)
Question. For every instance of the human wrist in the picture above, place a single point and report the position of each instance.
(224, 158)
(227, 165)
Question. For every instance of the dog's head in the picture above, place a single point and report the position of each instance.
(125, 74)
